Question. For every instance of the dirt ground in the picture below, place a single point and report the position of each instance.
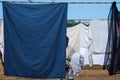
(88, 73)
(96, 73)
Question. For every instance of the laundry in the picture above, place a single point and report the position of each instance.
(98, 35)
(74, 37)
(91, 46)
(34, 41)
(112, 56)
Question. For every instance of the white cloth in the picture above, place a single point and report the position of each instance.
(75, 65)
(84, 52)
(73, 34)
(84, 41)
(69, 52)
(84, 44)
(78, 36)
(98, 33)
(92, 39)
(97, 59)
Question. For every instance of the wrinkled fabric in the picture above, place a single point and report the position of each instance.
(75, 64)
(112, 56)
(98, 35)
(69, 52)
(84, 43)
(84, 40)
(34, 40)
(74, 37)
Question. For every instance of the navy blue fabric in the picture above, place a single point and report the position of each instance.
(35, 39)
(112, 54)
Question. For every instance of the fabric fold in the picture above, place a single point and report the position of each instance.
(35, 38)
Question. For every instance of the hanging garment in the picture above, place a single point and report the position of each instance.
(84, 52)
(34, 40)
(69, 52)
(84, 43)
(98, 35)
(84, 48)
(74, 37)
(112, 56)
(75, 66)
(75, 61)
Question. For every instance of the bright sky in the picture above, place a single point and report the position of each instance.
(80, 11)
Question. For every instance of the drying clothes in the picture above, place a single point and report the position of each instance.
(84, 40)
(69, 52)
(34, 40)
(77, 39)
(84, 44)
(74, 37)
(98, 34)
(84, 52)
(112, 56)
(78, 36)
(76, 63)
(97, 59)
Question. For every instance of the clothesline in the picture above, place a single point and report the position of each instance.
(25, 2)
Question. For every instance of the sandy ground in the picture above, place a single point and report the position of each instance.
(88, 73)
(96, 73)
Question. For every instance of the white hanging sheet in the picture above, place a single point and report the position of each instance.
(98, 33)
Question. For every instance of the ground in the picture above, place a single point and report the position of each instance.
(88, 73)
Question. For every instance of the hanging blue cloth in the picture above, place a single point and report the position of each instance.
(34, 40)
